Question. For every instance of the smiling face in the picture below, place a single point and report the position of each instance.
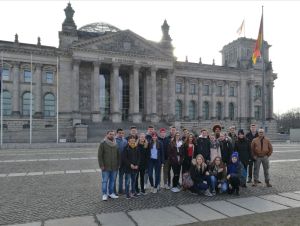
(199, 160)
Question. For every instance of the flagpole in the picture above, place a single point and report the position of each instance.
(263, 76)
(57, 103)
(244, 28)
(30, 126)
(1, 74)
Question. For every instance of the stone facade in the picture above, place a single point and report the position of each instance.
(107, 74)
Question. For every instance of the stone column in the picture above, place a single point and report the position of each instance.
(154, 117)
(148, 96)
(186, 100)
(171, 95)
(136, 116)
(239, 100)
(200, 101)
(37, 76)
(252, 94)
(213, 100)
(243, 99)
(16, 89)
(96, 117)
(114, 94)
(226, 102)
(75, 98)
(271, 85)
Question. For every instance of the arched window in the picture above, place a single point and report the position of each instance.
(6, 103)
(231, 111)
(49, 105)
(178, 110)
(192, 110)
(219, 111)
(206, 110)
(26, 103)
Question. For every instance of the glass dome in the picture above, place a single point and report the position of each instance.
(99, 27)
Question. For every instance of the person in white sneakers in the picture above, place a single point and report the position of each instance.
(109, 162)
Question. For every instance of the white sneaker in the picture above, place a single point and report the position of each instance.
(104, 197)
(175, 189)
(167, 186)
(154, 190)
(113, 196)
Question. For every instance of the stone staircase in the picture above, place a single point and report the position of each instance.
(97, 131)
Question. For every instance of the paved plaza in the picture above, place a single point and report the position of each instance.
(61, 186)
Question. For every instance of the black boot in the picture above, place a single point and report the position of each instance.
(237, 191)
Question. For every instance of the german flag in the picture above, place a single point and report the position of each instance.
(258, 44)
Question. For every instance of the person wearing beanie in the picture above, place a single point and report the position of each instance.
(242, 146)
(234, 174)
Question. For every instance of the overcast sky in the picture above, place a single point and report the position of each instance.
(198, 29)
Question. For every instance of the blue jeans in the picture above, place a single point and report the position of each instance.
(108, 177)
(121, 180)
(214, 184)
(154, 164)
(130, 177)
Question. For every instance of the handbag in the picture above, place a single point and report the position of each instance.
(187, 181)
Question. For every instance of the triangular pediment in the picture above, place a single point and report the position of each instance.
(124, 42)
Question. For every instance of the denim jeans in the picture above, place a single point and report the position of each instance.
(130, 177)
(214, 183)
(108, 178)
(154, 164)
(121, 180)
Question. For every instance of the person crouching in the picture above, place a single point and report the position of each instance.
(200, 176)
(234, 173)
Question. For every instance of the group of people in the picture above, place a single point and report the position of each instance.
(207, 164)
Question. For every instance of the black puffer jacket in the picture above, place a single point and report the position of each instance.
(243, 147)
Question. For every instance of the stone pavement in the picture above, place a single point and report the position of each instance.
(47, 185)
(183, 214)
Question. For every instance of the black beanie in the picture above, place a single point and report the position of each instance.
(241, 131)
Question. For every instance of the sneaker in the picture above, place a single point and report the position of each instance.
(213, 192)
(258, 181)
(113, 196)
(135, 195)
(207, 193)
(268, 184)
(151, 189)
(237, 192)
(175, 189)
(249, 180)
(167, 186)
(139, 193)
(128, 196)
(154, 190)
(104, 197)
(143, 193)
(244, 185)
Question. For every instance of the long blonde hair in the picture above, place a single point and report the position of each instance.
(145, 141)
(203, 164)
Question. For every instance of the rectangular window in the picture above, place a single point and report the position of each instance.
(219, 91)
(27, 76)
(5, 74)
(231, 91)
(206, 90)
(49, 77)
(257, 112)
(193, 89)
(179, 87)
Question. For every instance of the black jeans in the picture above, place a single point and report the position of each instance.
(250, 171)
(176, 172)
(235, 182)
(141, 174)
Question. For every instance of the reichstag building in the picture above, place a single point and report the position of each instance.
(110, 75)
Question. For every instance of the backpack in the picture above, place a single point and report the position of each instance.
(187, 181)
